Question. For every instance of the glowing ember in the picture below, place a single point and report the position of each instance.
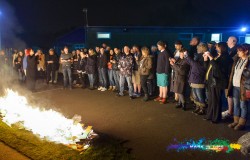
(47, 124)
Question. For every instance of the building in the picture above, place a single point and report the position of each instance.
(118, 36)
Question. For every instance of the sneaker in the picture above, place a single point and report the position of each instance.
(138, 95)
(110, 88)
(114, 88)
(50, 81)
(99, 88)
(226, 115)
(103, 89)
(55, 82)
(157, 99)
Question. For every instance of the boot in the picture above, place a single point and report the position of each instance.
(114, 88)
(183, 105)
(145, 98)
(235, 123)
(241, 125)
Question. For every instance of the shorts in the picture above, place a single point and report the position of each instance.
(136, 79)
(162, 80)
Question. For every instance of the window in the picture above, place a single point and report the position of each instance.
(185, 36)
(103, 35)
(247, 38)
(216, 37)
(200, 35)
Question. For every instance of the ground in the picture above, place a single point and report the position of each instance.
(147, 128)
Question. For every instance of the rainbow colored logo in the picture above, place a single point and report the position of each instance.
(217, 145)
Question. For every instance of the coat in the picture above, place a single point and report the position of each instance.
(197, 70)
(245, 77)
(91, 65)
(220, 71)
(32, 62)
(145, 66)
(181, 69)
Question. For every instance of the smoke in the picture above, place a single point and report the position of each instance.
(10, 27)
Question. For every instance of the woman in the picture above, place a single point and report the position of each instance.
(115, 68)
(19, 66)
(240, 74)
(32, 62)
(162, 72)
(196, 79)
(111, 71)
(217, 80)
(145, 66)
(181, 72)
(81, 69)
(91, 68)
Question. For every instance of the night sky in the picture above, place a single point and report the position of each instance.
(39, 22)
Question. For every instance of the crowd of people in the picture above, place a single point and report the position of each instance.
(208, 75)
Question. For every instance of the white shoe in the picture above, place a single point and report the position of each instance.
(50, 81)
(55, 81)
(226, 115)
(104, 89)
(99, 88)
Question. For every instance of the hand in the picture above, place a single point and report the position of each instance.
(171, 63)
(136, 58)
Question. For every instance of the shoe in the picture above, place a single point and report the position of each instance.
(163, 101)
(226, 115)
(110, 88)
(103, 89)
(55, 82)
(114, 88)
(138, 95)
(235, 123)
(197, 109)
(99, 88)
(201, 112)
(178, 105)
(206, 119)
(50, 81)
(131, 97)
(241, 125)
(119, 95)
(158, 99)
(145, 98)
(183, 106)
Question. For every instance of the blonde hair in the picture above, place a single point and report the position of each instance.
(202, 47)
(145, 50)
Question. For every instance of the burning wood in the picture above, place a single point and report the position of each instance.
(47, 124)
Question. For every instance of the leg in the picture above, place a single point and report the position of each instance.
(69, 76)
(129, 81)
(65, 73)
(122, 81)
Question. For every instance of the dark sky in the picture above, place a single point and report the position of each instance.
(38, 22)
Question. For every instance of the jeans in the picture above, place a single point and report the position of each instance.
(199, 95)
(117, 79)
(91, 80)
(240, 107)
(111, 77)
(67, 75)
(103, 77)
(21, 76)
(129, 81)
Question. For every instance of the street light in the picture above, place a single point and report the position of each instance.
(0, 31)
(85, 11)
(243, 29)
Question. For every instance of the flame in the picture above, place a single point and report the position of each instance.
(47, 124)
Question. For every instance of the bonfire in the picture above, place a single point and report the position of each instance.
(47, 124)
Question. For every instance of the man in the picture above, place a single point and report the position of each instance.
(135, 74)
(232, 45)
(162, 72)
(102, 62)
(193, 46)
(125, 65)
(51, 62)
(66, 60)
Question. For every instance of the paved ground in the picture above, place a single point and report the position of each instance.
(8, 153)
(148, 127)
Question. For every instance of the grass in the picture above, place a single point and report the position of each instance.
(102, 148)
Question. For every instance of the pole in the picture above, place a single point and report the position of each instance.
(85, 10)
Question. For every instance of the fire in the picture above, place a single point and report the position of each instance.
(47, 124)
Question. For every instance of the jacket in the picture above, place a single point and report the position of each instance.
(91, 65)
(125, 65)
(197, 70)
(145, 65)
(245, 78)
(181, 69)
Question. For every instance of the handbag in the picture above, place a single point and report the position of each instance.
(247, 94)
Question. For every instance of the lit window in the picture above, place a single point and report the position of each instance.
(102, 35)
(247, 38)
(216, 37)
